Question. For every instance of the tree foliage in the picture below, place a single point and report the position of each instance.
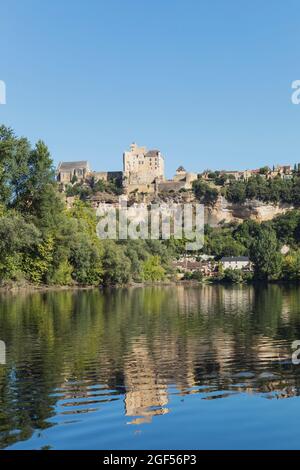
(267, 190)
(44, 243)
(204, 192)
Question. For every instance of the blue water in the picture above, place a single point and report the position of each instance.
(151, 368)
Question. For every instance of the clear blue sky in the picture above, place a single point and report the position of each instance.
(208, 82)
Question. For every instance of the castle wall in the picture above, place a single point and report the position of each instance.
(99, 175)
(106, 175)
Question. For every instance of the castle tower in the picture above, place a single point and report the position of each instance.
(141, 166)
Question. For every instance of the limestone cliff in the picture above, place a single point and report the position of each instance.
(221, 211)
(225, 211)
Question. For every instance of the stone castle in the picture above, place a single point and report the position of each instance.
(143, 172)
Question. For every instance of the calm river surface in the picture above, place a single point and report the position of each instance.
(150, 368)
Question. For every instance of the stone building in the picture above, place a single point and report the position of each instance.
(67, 172)
(142, 168)
(236, 262)
(182, 180)
(80, 172)
(185, 176)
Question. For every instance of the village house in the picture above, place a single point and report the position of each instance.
(236, 262)
(283, 171)
(190, 264)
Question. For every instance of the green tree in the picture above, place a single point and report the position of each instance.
(37, 262)
(39, 174)
(62, 275)
(86, 259)
(265, 255)
(236, 192)
(264, 170)
(291, 266)
(14, 168)
(204, 192)
(233, 276)
(86, 250)
(152, 269)
(117, 267)
(17, 237)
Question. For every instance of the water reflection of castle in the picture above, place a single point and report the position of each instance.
(206, 361)
(211, 342)
(145, 395)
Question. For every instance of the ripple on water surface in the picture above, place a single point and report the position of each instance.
(156, 367)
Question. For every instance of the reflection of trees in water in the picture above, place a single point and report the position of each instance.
(97, 345)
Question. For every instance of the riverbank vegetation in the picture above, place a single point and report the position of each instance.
(43, 242)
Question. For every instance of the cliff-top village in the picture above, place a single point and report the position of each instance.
(144, 172)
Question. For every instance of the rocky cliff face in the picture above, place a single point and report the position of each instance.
(221, 211)
(224, 211)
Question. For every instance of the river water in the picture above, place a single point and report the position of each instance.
(151, 368)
